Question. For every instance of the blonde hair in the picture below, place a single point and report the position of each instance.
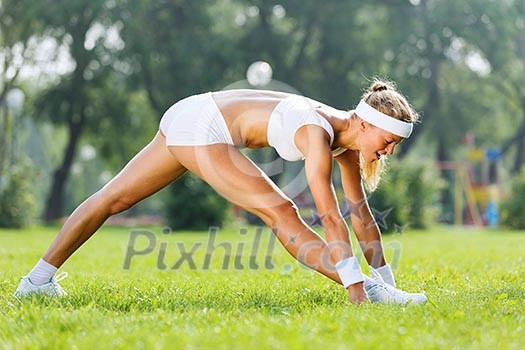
(383, 96)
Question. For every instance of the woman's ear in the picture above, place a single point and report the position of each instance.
(363, 125)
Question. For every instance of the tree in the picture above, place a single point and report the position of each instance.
(17, 44)
(172, 49)
(176, 49)
(500, 35)
(17, 29)
(70, 101)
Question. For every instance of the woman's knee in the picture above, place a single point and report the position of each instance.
(112, 202)
(119, 205)
(283, 214)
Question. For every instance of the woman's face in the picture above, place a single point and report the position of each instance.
(376, 142)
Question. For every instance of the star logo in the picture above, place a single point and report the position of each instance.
(292, 239)
(316, 219)
(346, 213)
(400, 229)
(354, 208)
(380, 218)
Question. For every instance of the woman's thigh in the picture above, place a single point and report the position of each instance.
(234, 176)
(150, 170)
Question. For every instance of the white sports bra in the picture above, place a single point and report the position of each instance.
(287, 117)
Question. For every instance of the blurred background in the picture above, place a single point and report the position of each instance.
(84, 84)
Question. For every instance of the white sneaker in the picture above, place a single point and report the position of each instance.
(380, 292)
(51, 288)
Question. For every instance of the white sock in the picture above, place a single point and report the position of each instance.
(386, 273)
(42, 272)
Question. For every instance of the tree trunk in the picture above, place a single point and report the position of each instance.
(291, 72)
(75, 115)
(4, 140)
(55, 200)
(149, 84)
(520, 149)
(519, 140)
(514, 139)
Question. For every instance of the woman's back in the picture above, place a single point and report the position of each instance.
(246, 113)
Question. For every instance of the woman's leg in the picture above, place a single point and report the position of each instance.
(240, 181)
(150, 170)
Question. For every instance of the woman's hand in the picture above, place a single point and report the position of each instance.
(357, 293)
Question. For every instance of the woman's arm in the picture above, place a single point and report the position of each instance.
(363, 223)
(313, 142)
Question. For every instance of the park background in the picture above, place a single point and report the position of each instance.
(85, 83)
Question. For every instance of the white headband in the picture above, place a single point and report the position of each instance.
(383, 121)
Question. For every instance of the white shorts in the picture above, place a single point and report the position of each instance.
(195, 121)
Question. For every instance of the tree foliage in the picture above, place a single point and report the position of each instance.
(514, 206)
(460, 63)
(17, 201)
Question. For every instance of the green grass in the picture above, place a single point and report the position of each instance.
(475, 281)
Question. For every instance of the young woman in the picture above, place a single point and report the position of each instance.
(203, 134)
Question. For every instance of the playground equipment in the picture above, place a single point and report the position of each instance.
(476, 186)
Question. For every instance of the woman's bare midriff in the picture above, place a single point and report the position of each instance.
(246, 113)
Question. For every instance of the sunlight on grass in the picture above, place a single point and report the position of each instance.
(474, 280)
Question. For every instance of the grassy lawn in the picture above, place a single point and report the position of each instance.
(474, 279)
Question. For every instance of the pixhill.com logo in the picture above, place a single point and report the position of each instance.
(253, 250)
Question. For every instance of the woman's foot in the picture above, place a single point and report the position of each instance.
(51, 288)
(380, 292)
